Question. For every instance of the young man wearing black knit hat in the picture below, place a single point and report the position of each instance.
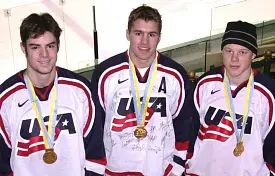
(236, 135)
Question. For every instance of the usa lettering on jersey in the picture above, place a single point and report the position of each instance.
(32, 140)
(127, 116)
(219, 125)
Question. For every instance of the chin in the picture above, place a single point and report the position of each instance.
(235, 73)
(146, 57)
(45, 71)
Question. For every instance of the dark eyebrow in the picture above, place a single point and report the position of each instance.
(152, 32)
(228, 48)
(138, 31)
(51, 43)
(33, 44)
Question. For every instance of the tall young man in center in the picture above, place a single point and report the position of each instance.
(142, 98)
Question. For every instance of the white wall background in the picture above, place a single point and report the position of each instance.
(183, 21)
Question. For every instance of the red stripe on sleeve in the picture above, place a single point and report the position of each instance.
(99, 161)
(182, 145)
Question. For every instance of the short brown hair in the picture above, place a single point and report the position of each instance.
(146, 13)
(36, 25)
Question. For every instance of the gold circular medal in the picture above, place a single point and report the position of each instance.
(140, 132)
(49, 156)
(239, 149)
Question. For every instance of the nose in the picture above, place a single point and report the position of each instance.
(235, 57)
(44, 52)
(144, 39)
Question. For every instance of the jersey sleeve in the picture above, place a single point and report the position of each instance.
(93, 140)
(5, 143)
(269, 142)
(96, 94)
(183, 121)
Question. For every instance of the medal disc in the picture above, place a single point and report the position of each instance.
(140, 132)
(49, 156)
(239, 149)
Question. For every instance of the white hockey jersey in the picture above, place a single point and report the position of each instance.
(78, 138)
(213, 152)
(167, 122)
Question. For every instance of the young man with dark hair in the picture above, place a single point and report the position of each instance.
(236, 108)
(142, 97)
(47, 122)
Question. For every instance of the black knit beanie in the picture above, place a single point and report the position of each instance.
(241, 33)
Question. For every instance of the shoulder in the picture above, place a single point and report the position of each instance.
(265, 83)
(214, 75)
(171, 67)
(112, 63)
(12, 84)
(71, 78)
(171, 64)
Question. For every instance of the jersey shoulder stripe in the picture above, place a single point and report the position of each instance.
(70, 78)
(16, 79)
(8, 88)
(266, 85)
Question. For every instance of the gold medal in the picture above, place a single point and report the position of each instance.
(140, 132)
(239, 149)
(49, 156)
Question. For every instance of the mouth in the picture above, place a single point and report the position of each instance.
(146, 49)
(44, 62)
(234, 67)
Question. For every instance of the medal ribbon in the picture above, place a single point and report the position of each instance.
(48, 135)
(141, 109)
(230, 105)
